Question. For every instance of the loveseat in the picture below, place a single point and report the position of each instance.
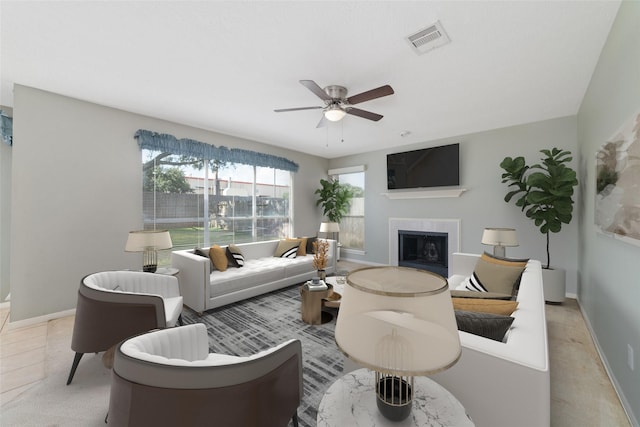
(504, 383)
(204, 288)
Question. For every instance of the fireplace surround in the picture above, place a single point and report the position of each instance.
(419, 232)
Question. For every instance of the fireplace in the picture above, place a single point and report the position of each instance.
(447, 229)
(424, 250)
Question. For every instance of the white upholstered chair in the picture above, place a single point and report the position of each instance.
(114, 305)
(169, 378)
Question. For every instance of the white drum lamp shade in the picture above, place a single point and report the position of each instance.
(499, 238)
(329, 227)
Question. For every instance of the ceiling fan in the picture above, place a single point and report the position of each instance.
(336, 103)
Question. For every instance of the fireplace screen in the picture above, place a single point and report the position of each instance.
(424, 250)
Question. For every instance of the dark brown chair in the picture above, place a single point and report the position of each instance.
(169, 378)
(114, 305)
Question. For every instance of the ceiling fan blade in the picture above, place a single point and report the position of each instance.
(282, 110)
(364, 114)
(313, 87)
(371, 94)
(322, 123)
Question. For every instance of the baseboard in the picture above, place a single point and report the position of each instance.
(616, 386)
(359, 261)
(571, 295)
(40, 319)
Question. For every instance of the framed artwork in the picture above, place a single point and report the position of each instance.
(617, 201)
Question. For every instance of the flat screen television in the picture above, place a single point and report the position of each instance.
(428, 167)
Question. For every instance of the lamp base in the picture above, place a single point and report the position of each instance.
(150, 268)
(394, 396)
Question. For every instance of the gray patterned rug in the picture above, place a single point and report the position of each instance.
(255, 324)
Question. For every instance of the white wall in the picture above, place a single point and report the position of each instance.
(609, 280)
(77, 191)
(482, 205)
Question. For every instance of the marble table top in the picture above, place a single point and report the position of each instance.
(351, 401)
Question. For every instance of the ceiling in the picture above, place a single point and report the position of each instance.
(225, 66)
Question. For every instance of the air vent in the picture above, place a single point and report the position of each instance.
(428, 38)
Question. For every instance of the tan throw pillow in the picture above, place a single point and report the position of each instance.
(218, 257)
(287, 248)
(493, 274)
(505, 308)
(302, 249)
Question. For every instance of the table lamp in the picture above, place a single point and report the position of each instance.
(149, 242)
(499, 238)
(398, 322)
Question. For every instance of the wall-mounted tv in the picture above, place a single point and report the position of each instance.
(428, 167)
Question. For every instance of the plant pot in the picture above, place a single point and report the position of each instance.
(554, 285)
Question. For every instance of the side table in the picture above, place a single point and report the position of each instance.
(351, 401)
(311, 308)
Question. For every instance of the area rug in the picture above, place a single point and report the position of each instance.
(258, 323)
(241, 329)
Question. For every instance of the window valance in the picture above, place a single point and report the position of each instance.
(189, 147)
(6, 128)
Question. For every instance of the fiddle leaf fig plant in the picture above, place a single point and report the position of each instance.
(335, 199)
(544, 190)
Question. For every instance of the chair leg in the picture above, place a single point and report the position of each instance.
(295, 419)
(76, 361)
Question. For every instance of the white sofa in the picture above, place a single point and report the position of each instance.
(504, 384)
(204, 289)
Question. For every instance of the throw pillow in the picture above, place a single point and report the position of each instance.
(203, 253)
(505, 308)
(310, 241)
(480, 295)
(302, 249)
(492, 326)
(494, 274)
(218, 257)
(287, 249)
(235, 256)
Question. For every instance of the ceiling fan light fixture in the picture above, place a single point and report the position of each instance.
(334, 113)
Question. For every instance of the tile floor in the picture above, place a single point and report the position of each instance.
(581, 393)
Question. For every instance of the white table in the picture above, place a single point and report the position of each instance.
(351, 401)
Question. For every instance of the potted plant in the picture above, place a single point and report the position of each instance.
(544, 193)
(335, 199)
(320, 257)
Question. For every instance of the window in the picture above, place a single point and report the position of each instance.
(203, 203)
(352, 224)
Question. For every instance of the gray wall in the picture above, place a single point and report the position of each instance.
(77, 191)
(482, 205)
(5, 213)
(609, 278)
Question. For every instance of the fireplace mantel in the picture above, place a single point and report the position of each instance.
(425, 194)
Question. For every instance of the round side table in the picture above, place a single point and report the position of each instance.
(351, 401)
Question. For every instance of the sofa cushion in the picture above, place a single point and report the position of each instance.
(505, 308)
(254, 273)
(492, 326)
(494, 274)
(235, 256)
(287, 248)
(310, 241)
(218, 257)
(302, 249)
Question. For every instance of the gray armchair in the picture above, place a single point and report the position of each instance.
(169, 378)
(114, 305)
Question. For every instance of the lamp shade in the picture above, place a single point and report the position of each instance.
(499, 237)
(144, 240)
(398, 321)
(329, 227)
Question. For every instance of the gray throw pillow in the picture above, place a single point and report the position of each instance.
(492, 326)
